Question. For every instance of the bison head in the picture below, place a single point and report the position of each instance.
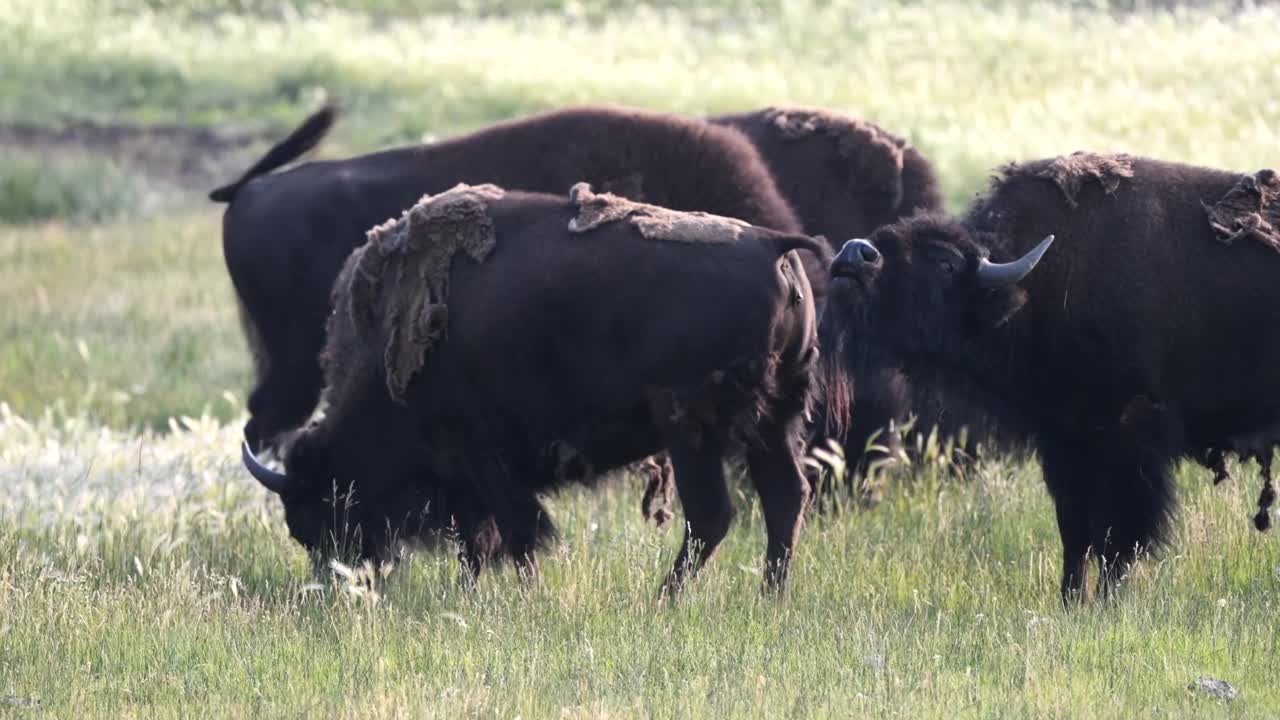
(344, 500)
(322, 511)
(920, 289)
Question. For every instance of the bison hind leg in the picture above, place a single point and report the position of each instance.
(659, 485)
(774, 465)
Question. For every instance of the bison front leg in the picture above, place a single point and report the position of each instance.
(780, 483)
(522, 522)
(1067, 483)
(708, 511)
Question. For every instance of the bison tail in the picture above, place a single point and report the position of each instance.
(307, 136)
(815, 257)
(783, 244)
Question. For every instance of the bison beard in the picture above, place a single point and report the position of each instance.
(286, 235)
(1114, 358)
(560, 364)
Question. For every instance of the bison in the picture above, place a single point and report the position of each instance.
(844, 177)
(286, 235)
(499, 345)
(1121, 354)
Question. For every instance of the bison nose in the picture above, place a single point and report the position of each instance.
(856, 256)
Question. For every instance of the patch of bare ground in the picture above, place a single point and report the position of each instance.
(180, 157)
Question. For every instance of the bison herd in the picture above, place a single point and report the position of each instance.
(594, 289)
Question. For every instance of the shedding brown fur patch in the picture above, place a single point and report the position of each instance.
(400, 276)
(1071, 172)
(653, 222)
(874, 152)
(1251, 209)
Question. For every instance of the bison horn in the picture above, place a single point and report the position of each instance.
(993, 275)
(276, 482)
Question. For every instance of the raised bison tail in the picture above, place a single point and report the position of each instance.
(307, 136)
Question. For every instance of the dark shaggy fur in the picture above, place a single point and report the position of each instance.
(561, 364)
(286, 235)
(845, 177)
(1109, 356)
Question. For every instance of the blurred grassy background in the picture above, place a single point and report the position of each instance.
(117, 116)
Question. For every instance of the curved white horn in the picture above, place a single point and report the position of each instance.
(1000, 274)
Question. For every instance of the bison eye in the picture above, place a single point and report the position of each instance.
(946, 257)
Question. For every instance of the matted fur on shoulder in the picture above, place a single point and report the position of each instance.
(653, 222)
(394, 289)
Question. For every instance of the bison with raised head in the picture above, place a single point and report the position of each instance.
(1139, 339)
(844, 177)
(286, 235)
(500, 345)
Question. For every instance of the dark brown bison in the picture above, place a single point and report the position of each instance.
(286, 235)
(500, 345)
(1136, 342)
(844, 177)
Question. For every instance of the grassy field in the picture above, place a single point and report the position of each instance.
(142, 574)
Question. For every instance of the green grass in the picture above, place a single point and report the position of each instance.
(127, 322)
(36, 187)
(146, 575)
(142, 574)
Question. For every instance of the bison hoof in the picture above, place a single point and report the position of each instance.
(1262, 521)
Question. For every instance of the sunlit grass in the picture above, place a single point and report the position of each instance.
(133, 322)
(147, 574)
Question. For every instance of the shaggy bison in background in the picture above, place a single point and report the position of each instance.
(514, 344)
(1123, 352)
(844, 176)
(286, 235)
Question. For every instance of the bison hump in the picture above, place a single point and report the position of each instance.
(397, 283)
(593, 210)
(873, 155)
(1072, 172)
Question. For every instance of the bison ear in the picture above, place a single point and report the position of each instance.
(996, 306)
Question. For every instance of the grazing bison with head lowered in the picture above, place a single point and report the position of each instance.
(286, 235)
(1136, 342)
(505, 344)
